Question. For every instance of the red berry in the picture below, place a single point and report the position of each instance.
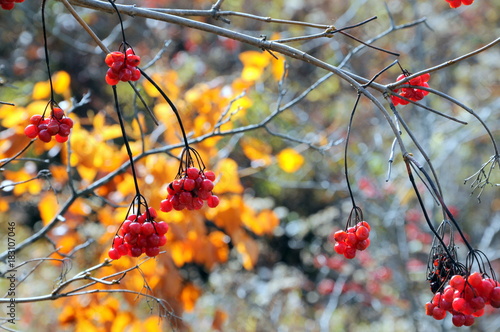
(123, 249)
(53, 127)
(64, 129)
(349, 252)
(135, 251)
(457, 282)
(166, 205)
(35, 119)
(362, 233)
(213, 201)
(177, 185)
(459, 304)
(57, 113)
(362, 245)
(31, 131)
(340, 247)
(438, 313)
(429, 307)
(458, 319)
(475, 279)
(44, 136)
(469, 320)
(111, 81)
(207, 185)
(152, 251)
(197, 203)
(495, 294)
(161, 227)
(189, 184)
(61, 139)
(136, 75)
(351, 239)
(135, 227)
(113, 253)
(210, 175)
(340, 236)
(147, 229)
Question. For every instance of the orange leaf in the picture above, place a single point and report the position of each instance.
(229, 177)
(189, 295)
(48, 207)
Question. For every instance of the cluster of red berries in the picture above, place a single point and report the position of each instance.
(458, 3)
(139, 234)
(355, 238)
(57, 125)
(122, 67)
(465, 298)
(190, 191)
(411, 93)
(9, 4)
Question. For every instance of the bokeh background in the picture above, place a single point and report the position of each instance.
(263, 260)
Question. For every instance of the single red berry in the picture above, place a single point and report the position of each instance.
(163, 240)
(193, 173)
(111, 81)
(362, 245)
(161, 227)
(495, 294)
(207, 185)
(340, 247)
(114, 254)
(362, 233)
(64, 129)
(365, 224)
(459, 304)
(438, 313)
(213, 201)
(136, 74)
(469, 320)
(61, 139)
(135, 227)
(133, 60)
(458, 319)
(340, 236)
(457, 282)
(57, 113)
(351, 240)
(147, 229)
(166, 205)
(53, 127)
(204, 195)
(31, 131)
(475, 279)
(154, 240)
(135, 251)
(118, 240)
(210, 175)
(349, 252)
(152, 251)
(189, 184)
(178, 184)
(429, 307)
(44, 136)
(123, 249)
(35, 119)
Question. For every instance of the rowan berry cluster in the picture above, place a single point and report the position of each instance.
(57, 125)
(9, 4)
(411, 93)
(139, 234)
(122, 67)
(465, 298)
(353, 239)
(190, 191)
(458, 3)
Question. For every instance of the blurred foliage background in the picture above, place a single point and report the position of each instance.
(263, 260)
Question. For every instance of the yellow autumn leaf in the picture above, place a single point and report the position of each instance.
(227, 170)
(61, 83)
(254, 63)
(290, 160)
(41, 90)
(121, 322)
(257, 151)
